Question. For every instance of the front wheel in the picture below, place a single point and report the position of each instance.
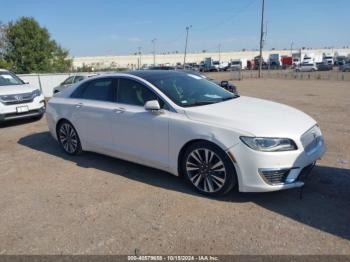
(208, 169)
(68, 138)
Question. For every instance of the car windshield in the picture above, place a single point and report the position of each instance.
(188, 90)
(7, 79)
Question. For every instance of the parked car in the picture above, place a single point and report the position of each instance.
(340, 60)
(306, 67)
(19, 99)
(70, 81)
(324, 67)
(235, 65)
(345, 67)
(188, 126)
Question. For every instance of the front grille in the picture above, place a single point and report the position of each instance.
(277, 176)
(17, 99)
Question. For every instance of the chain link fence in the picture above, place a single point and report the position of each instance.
(334, 75)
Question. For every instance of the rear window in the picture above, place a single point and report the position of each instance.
(100, 89)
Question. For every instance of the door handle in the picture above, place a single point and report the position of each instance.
(79, 105)
(119, 110)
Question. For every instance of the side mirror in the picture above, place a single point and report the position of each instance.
(224, 83)
(152, 105)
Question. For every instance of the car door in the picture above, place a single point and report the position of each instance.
(93, 111)
(140, 135)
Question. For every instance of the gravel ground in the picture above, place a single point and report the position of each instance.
(52, 203)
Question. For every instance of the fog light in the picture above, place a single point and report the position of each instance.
(274, 176)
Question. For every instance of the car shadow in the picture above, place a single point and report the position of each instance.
(18, 122)
(324, 202)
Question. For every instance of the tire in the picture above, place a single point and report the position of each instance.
(68, 138)
(208, 169)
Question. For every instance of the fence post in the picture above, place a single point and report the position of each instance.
(41, 89)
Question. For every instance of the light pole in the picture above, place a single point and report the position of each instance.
(154, 51)
(219, 53)
(291, 48)
(261, 36)
(139, 49)
(187, 29)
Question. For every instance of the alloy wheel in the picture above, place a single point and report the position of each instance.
(68, 138)
(206, 170)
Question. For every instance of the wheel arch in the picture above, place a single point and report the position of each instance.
(61, 120)
(188, 144)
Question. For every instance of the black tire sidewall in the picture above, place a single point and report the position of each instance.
(231, 177)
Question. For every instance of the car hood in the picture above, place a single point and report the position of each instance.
(252, 116)
(16, 89)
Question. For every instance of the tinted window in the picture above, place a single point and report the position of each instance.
(134, 93)
(68, 81)
(100, 89)
(78, 79)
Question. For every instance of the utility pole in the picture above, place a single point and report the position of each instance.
(261, 36)
(291, 48)
(139, 49)
(154, 51)
(187, 29)
(219, 53)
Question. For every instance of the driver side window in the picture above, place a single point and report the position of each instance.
(134, 93)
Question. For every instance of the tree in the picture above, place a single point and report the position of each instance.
(60, 62)
(29, 48)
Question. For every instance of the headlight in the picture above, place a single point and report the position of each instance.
(269, 144)
(2, 98)
(36, 93)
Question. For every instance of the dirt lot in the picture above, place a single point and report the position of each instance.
(52, 204)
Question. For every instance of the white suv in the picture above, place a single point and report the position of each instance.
(19, 99)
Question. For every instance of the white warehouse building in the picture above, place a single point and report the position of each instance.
(132, 61)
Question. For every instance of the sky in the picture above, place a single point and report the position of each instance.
(117, 27)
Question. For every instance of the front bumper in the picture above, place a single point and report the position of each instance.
(35, 108)
(255, 169)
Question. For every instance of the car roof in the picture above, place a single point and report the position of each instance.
(3, 70)
(156, 73)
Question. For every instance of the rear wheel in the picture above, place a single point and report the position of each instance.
(68, 138)
(208, 169)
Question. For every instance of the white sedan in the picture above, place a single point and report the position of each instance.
(186, 125)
